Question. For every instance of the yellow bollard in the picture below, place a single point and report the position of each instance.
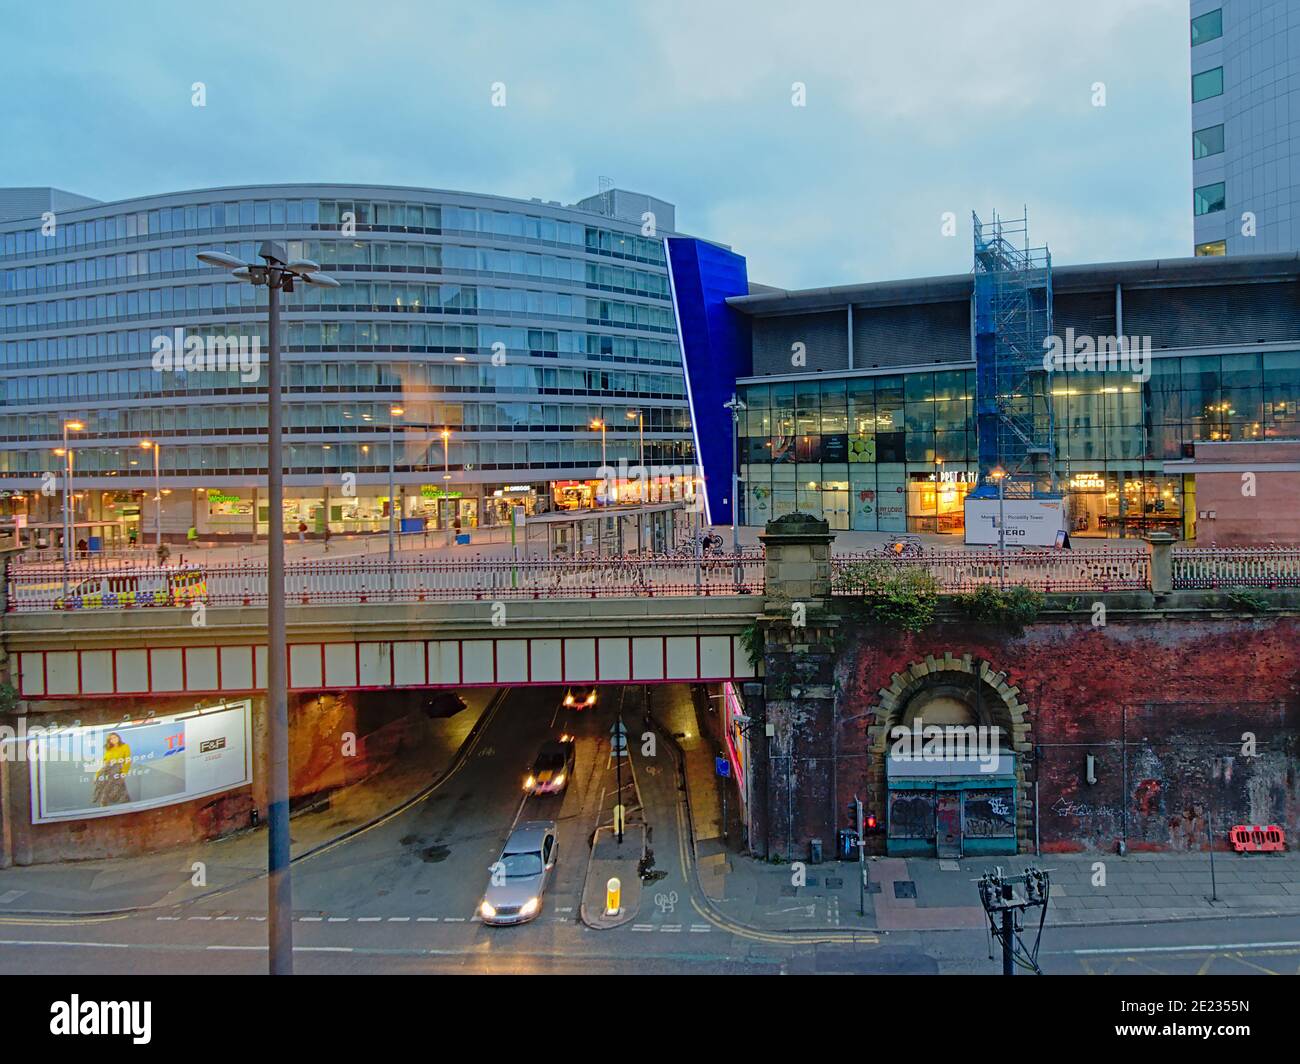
(613, 896)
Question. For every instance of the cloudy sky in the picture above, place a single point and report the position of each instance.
(912, 110)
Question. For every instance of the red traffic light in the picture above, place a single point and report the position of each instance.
(870, 822)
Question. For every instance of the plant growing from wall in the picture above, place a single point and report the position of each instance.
(8, 698)
(1248, 601)
(1010, 608)
(752, 639)
(893, 597)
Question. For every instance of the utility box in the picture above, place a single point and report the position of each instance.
(814, 851)
(846, 845)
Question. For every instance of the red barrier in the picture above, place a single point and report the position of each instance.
(1252, 838)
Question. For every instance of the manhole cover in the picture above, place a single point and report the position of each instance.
(873, 888)
(813, 881)
(904, 888)
(834, 882)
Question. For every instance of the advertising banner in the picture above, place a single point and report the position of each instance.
(1030, 522)
(108, 769)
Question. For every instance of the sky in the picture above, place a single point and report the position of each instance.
(1078, 112)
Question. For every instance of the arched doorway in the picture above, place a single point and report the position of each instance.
(948, 737)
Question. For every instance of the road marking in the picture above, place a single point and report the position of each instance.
(338, 920)
(166, 917)
(310, 919)
(369, 919)
(227, 917)
(10, 896)
(56, 942)
(671, 928)
(198, 918)
(1179, 949)
(259, 919)
(399, 919)
(453, 920)
(700, 928)
(427, 919)
(643, 927)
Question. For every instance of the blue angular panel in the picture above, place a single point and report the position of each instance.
(715, 352)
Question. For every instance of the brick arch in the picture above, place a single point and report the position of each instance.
(1002, 705)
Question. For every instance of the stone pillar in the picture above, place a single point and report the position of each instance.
(797, 797)
(1160, 554)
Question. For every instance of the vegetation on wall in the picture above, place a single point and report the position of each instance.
(1010, 608)
(752, 639)
(1248, 601)
(891, 596)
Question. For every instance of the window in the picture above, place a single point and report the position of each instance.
(1207, 27)
(1213, 247)
(1206, 84)
(1208, 198)
(1208, 141)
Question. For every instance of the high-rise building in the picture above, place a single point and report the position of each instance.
(511, 326)
(1245, 77)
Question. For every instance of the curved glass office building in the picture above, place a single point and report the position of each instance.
(502, 330)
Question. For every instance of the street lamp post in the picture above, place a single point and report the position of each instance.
(446, 480)
(394, 412)
(737, 406)
(599, 423)
(74, 426)
(277, 273)
(1000, 475)
(639, 417)
(150, 445)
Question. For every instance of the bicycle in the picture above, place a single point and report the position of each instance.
(903, 547)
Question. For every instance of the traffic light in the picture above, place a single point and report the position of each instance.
(870, 823)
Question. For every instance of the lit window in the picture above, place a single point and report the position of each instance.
(1208, 198)
(1207, 84)
(1213, 247)
(1207, 27)
(1208, 141)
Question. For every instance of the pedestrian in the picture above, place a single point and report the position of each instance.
(191, 535)
(325, 535)
(302, 531)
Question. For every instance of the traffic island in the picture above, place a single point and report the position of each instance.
(610, 860)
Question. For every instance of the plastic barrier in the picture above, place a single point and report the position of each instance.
(1252, 838)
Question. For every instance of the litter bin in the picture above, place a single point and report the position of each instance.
(462, 538)
(94, 544)
(814, 851)
(846, 846)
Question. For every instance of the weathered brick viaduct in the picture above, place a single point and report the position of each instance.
(1189, 709)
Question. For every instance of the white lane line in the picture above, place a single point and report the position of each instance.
(671, 929)
(369, 919)
(227, 917)
(338, 919)
(399, 919)
(310, 919)
(643, 927)
(167, 918)
(198, 918)
(259, 919)
(700, 928)
(453, 919)
(57, 942)
(426, 919)
(1182, 949)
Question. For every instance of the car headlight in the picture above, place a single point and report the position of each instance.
(558, 781)
(568, 700)
(487, 909)
(528, 783)
(591, 699)
(529, 907)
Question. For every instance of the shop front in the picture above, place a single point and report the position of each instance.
(963, 807)
(1125, 504)
(936, 501)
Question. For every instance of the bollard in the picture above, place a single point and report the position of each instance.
(613, 896)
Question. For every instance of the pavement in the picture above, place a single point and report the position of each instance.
(927, 894)
(209, 869)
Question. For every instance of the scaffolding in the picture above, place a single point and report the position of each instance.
(1013, 390)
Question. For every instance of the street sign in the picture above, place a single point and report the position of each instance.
(618, 729)
(722, 767)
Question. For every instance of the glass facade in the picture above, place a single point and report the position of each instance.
(511, 325)
(897, 452)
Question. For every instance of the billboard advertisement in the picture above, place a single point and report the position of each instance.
(130, 765)
(1029, 522)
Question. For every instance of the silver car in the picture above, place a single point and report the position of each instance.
(521, 874)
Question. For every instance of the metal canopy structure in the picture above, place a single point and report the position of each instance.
(1013, 396)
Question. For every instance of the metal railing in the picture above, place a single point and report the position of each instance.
(960, 571)
(1208, 568)
(363, 580)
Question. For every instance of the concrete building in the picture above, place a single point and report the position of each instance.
(1245, 77)
(860, 399)
(506, 332)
